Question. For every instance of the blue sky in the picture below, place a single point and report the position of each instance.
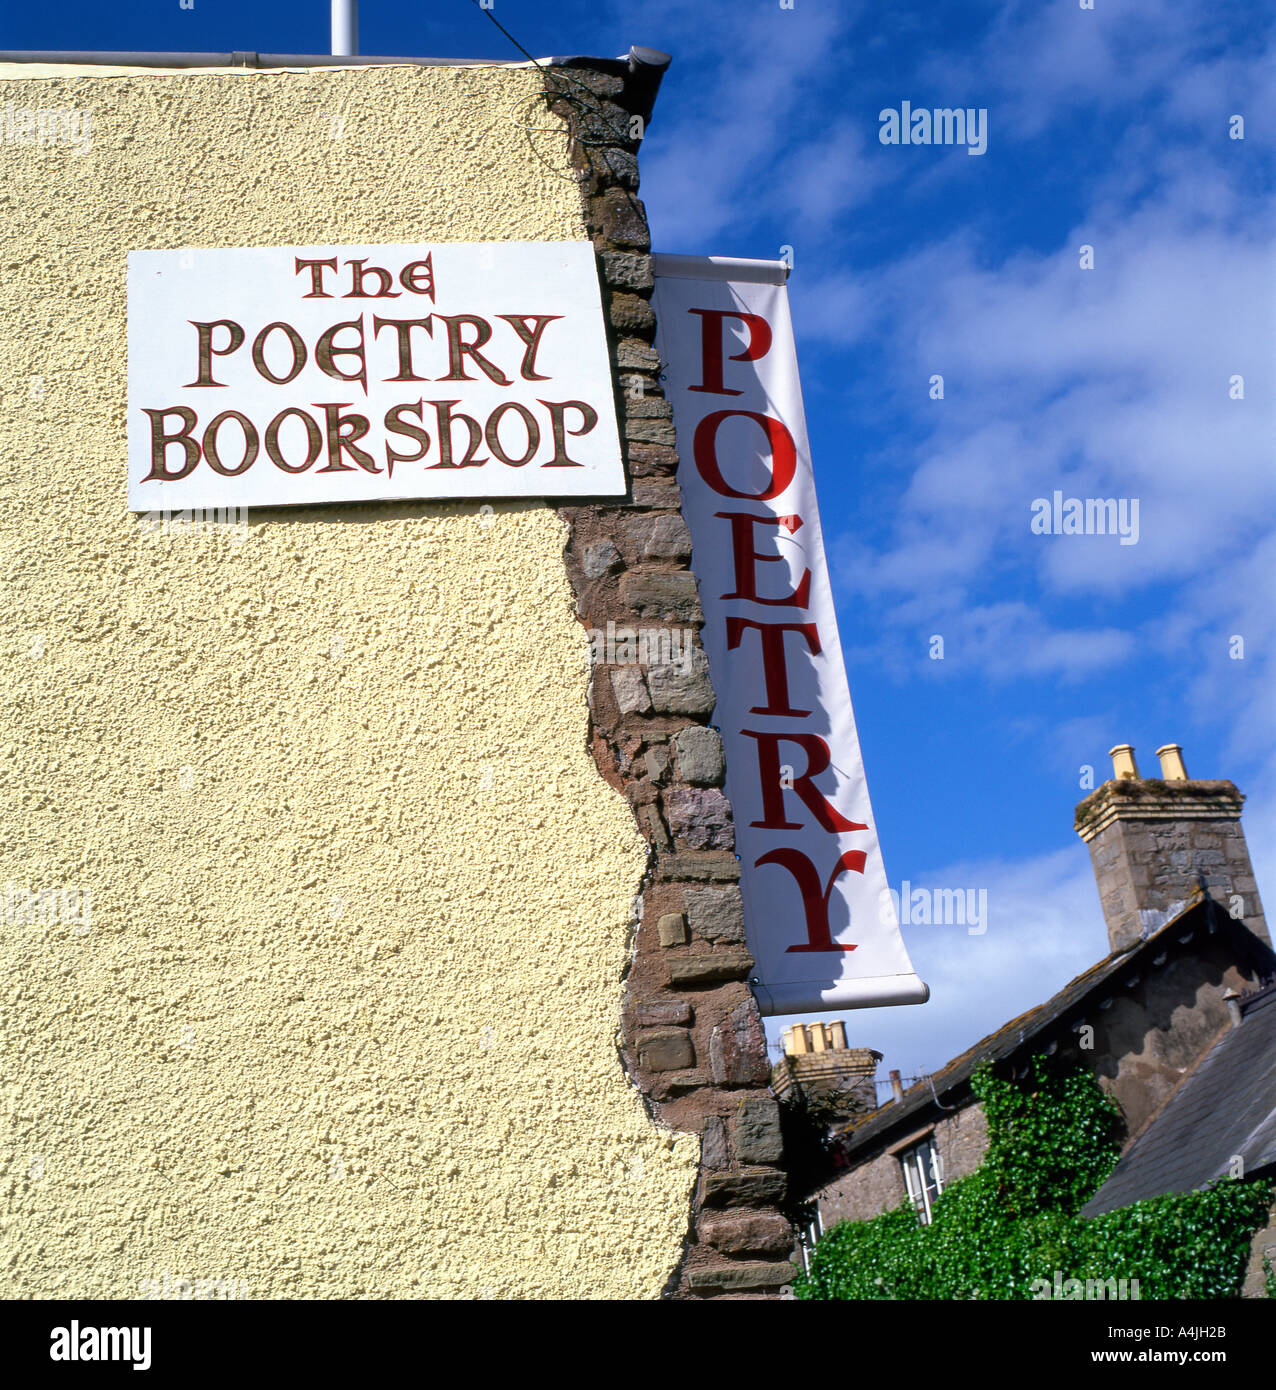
(1107, 127)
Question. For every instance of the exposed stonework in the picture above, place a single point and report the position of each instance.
(677, 691)
(700, 756)
(757, 1131)
(672, 928)
(691, 1035)
(716, 914)
(600, 559)
(1152, 843)
(835, 1083)
(699, 817)
(726, 1278)
(737, 1230)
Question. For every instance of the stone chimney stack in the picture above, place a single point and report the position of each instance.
(1153, 840)
(834, 1077)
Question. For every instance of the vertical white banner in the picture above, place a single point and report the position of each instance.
(821, 925)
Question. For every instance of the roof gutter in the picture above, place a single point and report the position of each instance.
(250, 60)
(642, 68)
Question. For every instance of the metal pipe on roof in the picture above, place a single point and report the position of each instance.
(345, 28)
(645, 65)
(646, 70)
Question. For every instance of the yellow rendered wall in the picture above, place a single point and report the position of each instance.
(341, 1021)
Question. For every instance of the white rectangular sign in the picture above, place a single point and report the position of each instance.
(821, 925)
(286, 376)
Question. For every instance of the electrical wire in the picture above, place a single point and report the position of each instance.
(590, 106)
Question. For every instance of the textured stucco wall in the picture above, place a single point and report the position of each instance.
(342, 1021)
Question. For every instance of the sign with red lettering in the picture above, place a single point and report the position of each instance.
(286, 376)
(816, 909)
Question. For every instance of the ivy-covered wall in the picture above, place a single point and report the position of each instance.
(1011, 1230)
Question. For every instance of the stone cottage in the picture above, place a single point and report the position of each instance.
(1178, 1014)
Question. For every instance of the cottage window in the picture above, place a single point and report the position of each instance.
(923, 1174)
(810, 1229)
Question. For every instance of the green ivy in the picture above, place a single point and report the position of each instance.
(1053, 1139)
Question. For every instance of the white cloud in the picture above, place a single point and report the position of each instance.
(733, 143)
(1109, 387)
(1036, 62)
(1045, 927)
(999, 641)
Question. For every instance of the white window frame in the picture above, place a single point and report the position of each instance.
(809, 1233)
(923, 1176)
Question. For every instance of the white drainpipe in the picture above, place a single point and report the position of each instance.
(345, 28)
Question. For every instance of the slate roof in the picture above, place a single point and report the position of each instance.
(1226, 1106)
